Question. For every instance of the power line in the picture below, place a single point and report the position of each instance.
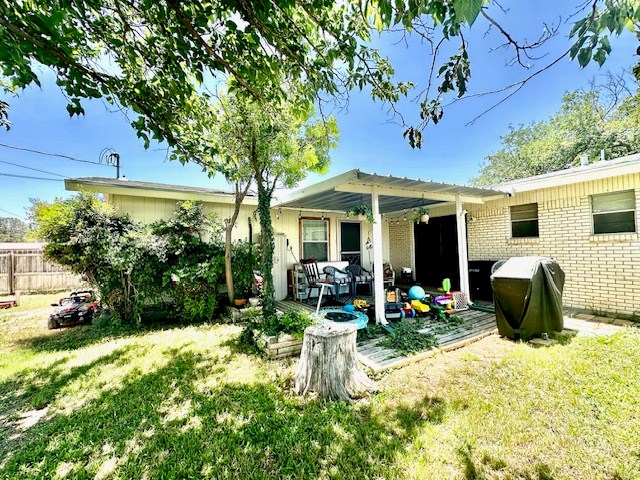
(32, 178)
(11, 213)
(34, 169)
(67, 157)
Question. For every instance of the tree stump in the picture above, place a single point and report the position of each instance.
(329, 364)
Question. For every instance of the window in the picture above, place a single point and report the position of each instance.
(315, 239)
(614, 212)
(524, 220)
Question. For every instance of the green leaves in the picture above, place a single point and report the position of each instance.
(589, 33)
(467, 10)
(584, 125)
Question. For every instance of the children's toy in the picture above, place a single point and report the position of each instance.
(459, 301)
(416, 293)
(360, 304)
(78, 308)
(407, 311)
(393, 311)
(338, 315)
(420, 307)
(393, 307)
(444, 301)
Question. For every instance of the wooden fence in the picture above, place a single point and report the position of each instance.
(31, 273)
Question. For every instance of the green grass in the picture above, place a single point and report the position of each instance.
(182, 402)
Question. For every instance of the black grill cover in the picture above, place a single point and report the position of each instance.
(528, 297)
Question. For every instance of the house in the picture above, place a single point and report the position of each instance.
(584, 217)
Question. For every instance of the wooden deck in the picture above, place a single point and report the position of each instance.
(291, 305)
(475, 326)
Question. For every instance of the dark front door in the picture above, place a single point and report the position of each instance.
(436, 247)
(350, 242)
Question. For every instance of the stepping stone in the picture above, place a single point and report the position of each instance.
(541, 342)
(624, 323)
(602, 319)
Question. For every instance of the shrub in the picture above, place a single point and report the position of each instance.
(89, 237)
(194, 263)
(292, 323)
(135, 266)
(244, 259)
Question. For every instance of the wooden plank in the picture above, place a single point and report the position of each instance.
(465, 333)
(383, 354)
(372, 351)
(373, 366)
(467, 341)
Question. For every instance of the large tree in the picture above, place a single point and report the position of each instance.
(585, 124)
(276, 145)
(13, 230)
(157, 57)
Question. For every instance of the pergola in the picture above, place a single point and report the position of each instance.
(388, 194)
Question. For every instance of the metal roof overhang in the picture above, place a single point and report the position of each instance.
(342, 192)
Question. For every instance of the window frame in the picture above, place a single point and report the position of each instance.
(634, 210)
(301, 236)
(536, 219)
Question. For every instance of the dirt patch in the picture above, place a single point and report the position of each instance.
(433, 373)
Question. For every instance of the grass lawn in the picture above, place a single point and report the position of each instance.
(183, 402)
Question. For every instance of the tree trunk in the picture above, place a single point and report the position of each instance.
(228, 274)
(329, 364)
(268, 247)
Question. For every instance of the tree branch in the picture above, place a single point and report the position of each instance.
(194, 33)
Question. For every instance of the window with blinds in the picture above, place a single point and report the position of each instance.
(614, 212)
(524, 220)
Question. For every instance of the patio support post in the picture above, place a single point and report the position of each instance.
(463, 260)
(378, 278)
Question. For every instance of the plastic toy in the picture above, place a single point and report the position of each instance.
(394, 311)
(76, 309)
(361, 304)
(407, 311)
(349, 308)
(419, 307)
(416, 293)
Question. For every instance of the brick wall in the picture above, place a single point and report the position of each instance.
(401, 245)
(602, 271)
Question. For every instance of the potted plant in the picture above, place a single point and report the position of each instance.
(240, 302)
(362, 212)
(421, 215)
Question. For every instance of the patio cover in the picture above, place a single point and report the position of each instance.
(388, 194)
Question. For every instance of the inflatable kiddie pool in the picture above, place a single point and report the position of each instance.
(338, 315)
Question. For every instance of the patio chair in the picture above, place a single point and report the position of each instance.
(337, 281)
(359, 276)
(312, 275)
(388, 275)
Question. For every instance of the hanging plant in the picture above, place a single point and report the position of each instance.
(421, 215)
(362, 212)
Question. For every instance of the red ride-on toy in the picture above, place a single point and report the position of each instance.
(78, 308)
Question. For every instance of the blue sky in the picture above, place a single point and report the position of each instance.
(452, 151)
